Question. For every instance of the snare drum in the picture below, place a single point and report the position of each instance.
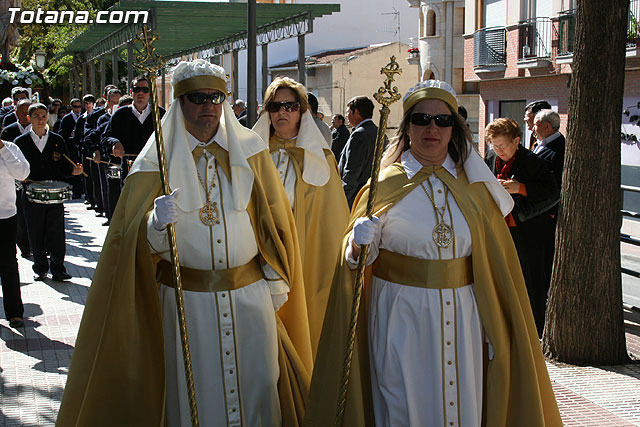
(48, 192)
(114, 172)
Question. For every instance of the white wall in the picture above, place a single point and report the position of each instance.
(359, 23)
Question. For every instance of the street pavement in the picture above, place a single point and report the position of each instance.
(34, 360)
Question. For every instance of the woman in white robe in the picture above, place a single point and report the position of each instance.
(444, 282)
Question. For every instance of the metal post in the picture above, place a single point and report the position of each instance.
(85, 71)
(103, 72)
(302, 76)
(71, 83)
(92, 78)
(234, 74)
(129, 65)
(164, 88)
(265, 67)
(251, 63)
(114, 67)
(448, 56)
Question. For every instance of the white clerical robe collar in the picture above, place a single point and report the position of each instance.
(316, 170)
(40, 142)
(412, 166)
(195, 142)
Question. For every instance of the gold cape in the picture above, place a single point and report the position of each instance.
(321, 216)
(518, 391)
(117, 369)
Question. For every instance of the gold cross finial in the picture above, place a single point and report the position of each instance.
(148, 61)
(390, 70)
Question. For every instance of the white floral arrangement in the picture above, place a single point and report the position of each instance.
(19, 75)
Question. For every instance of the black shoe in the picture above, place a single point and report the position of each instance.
(40, 277)
(16, 323)
(106, 223)
(61, 277)
(99, 213)
(86, 202)
(91, 208)
(26, 254)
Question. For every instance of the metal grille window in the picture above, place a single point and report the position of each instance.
(535, 38)
(489, 47)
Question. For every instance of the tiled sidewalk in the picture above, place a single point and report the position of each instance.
(34, 360)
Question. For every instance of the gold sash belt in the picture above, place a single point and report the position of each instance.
(211, 280)
(423, 273)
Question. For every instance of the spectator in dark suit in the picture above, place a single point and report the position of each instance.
(339, 135)
(534, 190)
(95, 203)
(551, 149)
(530, 112)
(240, 110)
(357, 155)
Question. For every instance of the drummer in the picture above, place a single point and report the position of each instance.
(45, 152)
(130, 127)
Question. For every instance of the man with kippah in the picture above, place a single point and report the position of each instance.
(240, 263)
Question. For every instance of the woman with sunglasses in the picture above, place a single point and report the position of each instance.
(534, 191)
(445, 332)
(310, 177)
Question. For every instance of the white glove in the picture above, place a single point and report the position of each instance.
(364, 230)
(279, 300)
(165, 210)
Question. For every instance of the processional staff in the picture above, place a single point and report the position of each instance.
(150, 63)
(393, 95)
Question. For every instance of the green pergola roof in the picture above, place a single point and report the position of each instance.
(186, 26)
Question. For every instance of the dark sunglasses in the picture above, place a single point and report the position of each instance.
(274, 107)
(77, 106)
(422, 119)
(200, 98)
(142, 89)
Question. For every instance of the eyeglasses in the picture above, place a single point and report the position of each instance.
(422, 119)
(200, 98)
(289, 106)
(77, 106)
(499, 147)
(142, 89)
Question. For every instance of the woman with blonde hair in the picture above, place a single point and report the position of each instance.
(445, 336)
(310, 177)
(533, 188)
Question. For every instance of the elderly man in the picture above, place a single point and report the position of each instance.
(550, 148)
(240, 110)
(240, 263)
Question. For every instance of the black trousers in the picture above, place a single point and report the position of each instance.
(88, 184)
(46, 232)
(97, 188)
(9, 275)
(113, 188)
(104, 188)
(22, 235)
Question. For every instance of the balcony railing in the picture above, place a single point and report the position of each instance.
(534, 38)
(490, 47)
